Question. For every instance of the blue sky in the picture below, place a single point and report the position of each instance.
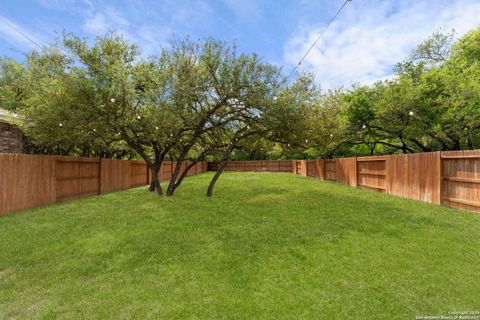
(361, 46)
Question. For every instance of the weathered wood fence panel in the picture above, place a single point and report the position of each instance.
(331, 169)
(415, 176)
(115, 175)
(28, 181)
(76, 177)
(461, 179)
(320, 168)
(138, 173)
(316, 168)
(346, 171)
(372, 173)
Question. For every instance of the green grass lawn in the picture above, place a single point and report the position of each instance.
(266, 246)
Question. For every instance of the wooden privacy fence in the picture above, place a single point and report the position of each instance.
(255, 166)
(28, 181)
(450, 178)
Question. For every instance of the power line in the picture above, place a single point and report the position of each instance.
(21, 33)
(318, 38)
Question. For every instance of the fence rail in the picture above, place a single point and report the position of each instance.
(28, 181)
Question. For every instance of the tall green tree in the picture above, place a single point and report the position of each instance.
(14, 88)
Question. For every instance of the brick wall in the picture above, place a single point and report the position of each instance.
(10, 138)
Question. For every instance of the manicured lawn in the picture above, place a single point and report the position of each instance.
(267, 246)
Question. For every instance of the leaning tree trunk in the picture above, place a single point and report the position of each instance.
(219, 171)
(220, 168)
(172, 185)
(175, 180)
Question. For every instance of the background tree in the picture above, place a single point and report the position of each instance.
(14, 88)
(434, 50)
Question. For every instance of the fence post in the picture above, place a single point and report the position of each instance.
(356, 173)
(100, 175)
(387, 174)
(440, 177)
(303, 166)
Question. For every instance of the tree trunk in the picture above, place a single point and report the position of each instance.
(153, 174)
(220, 168)
(155, 182)
(172, 185)
(219, 171)
(151, 188)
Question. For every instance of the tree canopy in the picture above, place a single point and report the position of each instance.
(200, 100)
(194, 100)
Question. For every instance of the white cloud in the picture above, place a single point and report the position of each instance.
(192, 13)
(73, 6)
(148, 36)
(151, 41)
(149, 24)
(371, 36)
(245, 9)
(116, 17)
(100, 22)
(96, 24)
(56, 4)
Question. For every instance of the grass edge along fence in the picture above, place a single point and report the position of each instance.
(28, 181)
(450, 178)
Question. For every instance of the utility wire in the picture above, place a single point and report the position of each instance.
(21, 33)
(318, 38)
